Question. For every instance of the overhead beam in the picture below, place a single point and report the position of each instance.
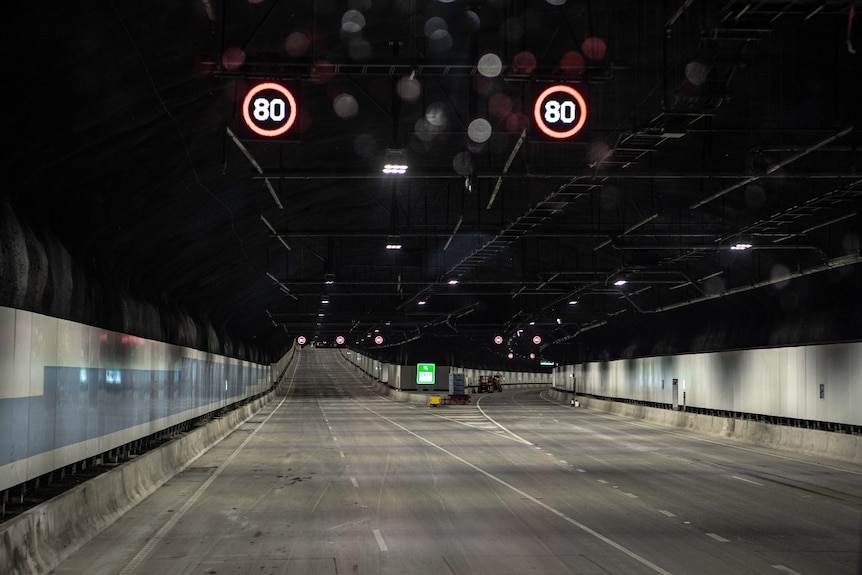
(256, 166)
(772, 169)
(621, 175)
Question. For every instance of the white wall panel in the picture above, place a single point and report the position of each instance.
(22, 384)
(8, 386)
(837, 390)
(854, 402)
(781, 382)
(43, 348)
(59, 404)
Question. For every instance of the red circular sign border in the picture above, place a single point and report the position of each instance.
(537, 111)
(254, 92)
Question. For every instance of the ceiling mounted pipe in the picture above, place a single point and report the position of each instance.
(772, 168)
(829, 265)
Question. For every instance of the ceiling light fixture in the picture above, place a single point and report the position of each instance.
(740, 246)
(395, 162)
(394, 168)
(620, 283)
(393, 243)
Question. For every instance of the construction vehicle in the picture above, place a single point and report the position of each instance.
(490, 383)
(458, 390)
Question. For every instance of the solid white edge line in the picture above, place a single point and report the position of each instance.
(145, 551)
(489, 418)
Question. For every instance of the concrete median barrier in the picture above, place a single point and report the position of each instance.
(799, 440)
(40, 538)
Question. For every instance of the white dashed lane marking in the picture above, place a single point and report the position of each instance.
(380, 542)
(747, 480)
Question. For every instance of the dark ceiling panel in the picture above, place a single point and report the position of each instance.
(708, 125)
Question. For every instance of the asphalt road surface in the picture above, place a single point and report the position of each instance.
(333, 479)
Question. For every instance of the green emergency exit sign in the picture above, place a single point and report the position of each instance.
(425, 373)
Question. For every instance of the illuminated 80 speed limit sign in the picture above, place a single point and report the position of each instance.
(560, 111)
(269, 109)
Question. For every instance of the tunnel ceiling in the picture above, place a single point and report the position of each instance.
(708, 126)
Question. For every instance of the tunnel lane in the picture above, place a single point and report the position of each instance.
(333, 478)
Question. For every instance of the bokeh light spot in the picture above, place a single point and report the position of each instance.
(359, 49)
(440, 41)
(696, 72)
(345, 106)
(490, 65)
(572, 63)
(473, 21)
(409, 89)
(436, 114)
(594, 48)
(524, 63)
(462, 163)
(233, 58)
(479, 130)
(781, 275)
(353, 21)
(435, 24)
(297, 43)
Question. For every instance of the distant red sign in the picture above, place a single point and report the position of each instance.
(339, 340)
(301, 340)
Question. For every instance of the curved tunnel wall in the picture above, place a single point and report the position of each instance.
(812, 382)
(38, 274)
(781, 382)
(69, 391)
